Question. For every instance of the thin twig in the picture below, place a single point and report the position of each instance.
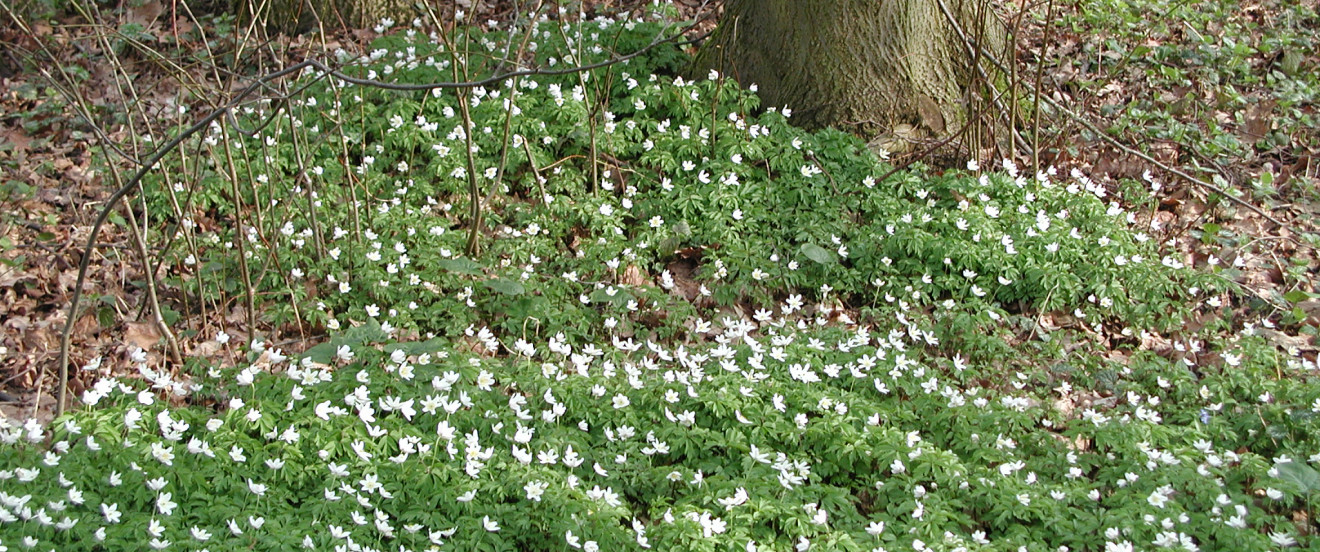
(1174, 170)
(1113, 141)
(963, 130)
(157, 155)
(973, 49)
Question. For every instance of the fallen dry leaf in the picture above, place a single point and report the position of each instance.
(633, 276)
(143, 335)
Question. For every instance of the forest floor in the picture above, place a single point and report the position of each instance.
(741, 335)
(1223, 91)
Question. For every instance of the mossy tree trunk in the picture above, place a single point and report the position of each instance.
(871, 65)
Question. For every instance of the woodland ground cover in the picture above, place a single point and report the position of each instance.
(683, 324)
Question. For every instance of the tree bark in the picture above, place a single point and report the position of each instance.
(300, 16)
(878, 66)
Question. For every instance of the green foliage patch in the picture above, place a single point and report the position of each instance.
(690, 326)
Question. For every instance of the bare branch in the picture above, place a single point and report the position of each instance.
(242, 96)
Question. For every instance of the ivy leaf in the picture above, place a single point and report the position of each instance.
(323, 353)
(818, 253)
(507, 287)
(461, 266)
(369, 331)
(533, 306)
(1302, 475)
(620, 296)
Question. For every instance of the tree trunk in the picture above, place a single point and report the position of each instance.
(877, 66)
(300, 16)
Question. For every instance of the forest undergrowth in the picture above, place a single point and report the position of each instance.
(621, 308)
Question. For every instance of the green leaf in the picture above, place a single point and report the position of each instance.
(670, 244)
(1297, 296)
(366, 333)
(507, 287)
(106, 317)
(171, 316)
(1302, 475)
(602, 295)
(819, 254)
(1291, 62)
(534, 306)
(369, 331)
(1208, 234)
(415, 348)
(461, 266)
